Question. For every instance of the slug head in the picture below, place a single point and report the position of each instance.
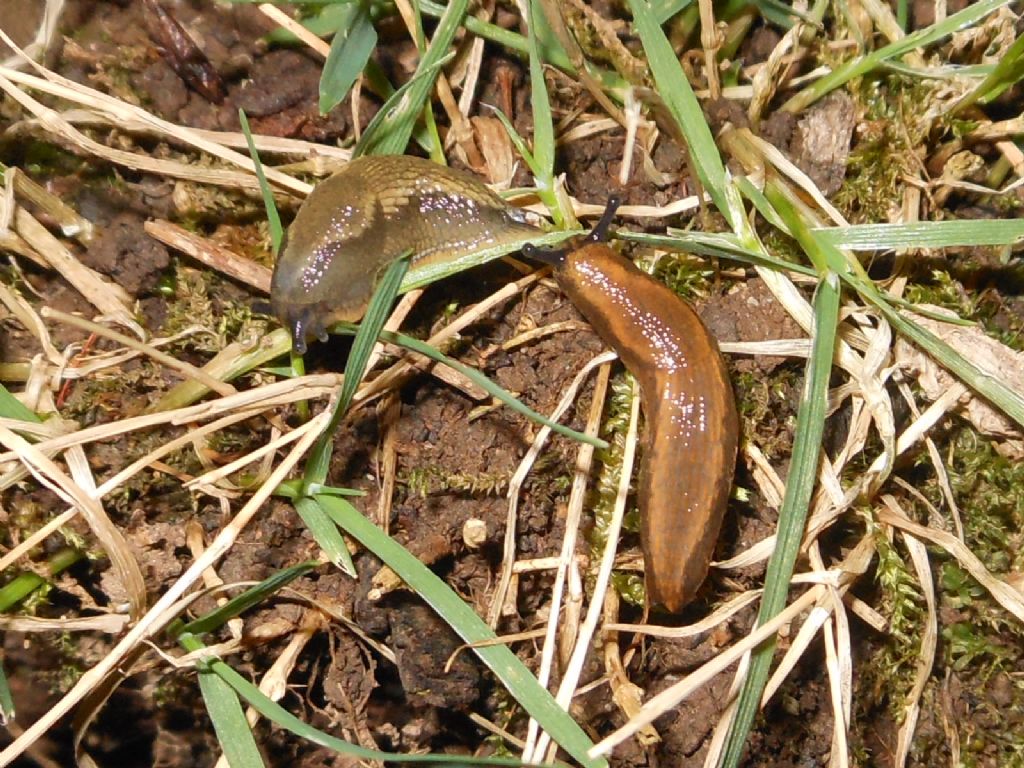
(599, 234)
(325, 270)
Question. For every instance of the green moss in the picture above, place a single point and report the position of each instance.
(998, 319)
(686, 275)
(889, 676)
(628, 585)
(981, 644)
(427, 480)
(192, 307)
(990, 491)
(943, 291)
(884, 149)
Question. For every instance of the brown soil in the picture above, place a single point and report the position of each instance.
(452, 464)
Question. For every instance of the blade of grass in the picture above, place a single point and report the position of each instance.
(237, 605)
(225, 710)
(801, 479)
(420, 275)
(721, 245)
(682, 104)
(354, 41)
(861, 65)
(396, 105)
(480, 380)
(366, 337)
(390, 135)
(24, 584)
(12, 408)
(1006, 73)
(521, 684)
(803, 472)
(7, 710)
(228, 717)
(18, 588)
(325, 533)
(543, 127)
(543, 165)
(273, 217)
(281, 717)
(553, 53)
(924, 234)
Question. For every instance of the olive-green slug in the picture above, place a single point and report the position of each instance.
(355, 223)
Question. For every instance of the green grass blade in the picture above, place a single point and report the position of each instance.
(366, 337)
(24, 584)
(388, 125)
(7, 710)
(924, 234)
(553, 53)
(424, 274)
(720, 245)
(803, 472)
(292, 489)
(354, 41)
(18, 588)
(325, 533)
(12, 408)
(543, 126)
(229, 723)
(480, 380)
(507, 667)
(1006, 73)
(225, 710)
(803, 468)
(682, 104)
(237, 605)
(519, 143)
(542, 157)
(273, 217)
(861, 65)
(390, 134)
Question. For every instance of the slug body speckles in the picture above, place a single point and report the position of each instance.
(371, 212)
(691, 427)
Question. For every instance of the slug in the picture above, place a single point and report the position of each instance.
(691, 427)
(371, 212)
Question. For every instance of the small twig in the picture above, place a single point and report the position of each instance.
(278, 16)
(214, 256)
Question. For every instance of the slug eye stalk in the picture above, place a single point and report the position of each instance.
(599, 234)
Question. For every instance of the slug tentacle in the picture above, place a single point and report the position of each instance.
(601, 230)
(599, 234)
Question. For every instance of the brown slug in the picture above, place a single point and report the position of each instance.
(691, 431)
(371, 212)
